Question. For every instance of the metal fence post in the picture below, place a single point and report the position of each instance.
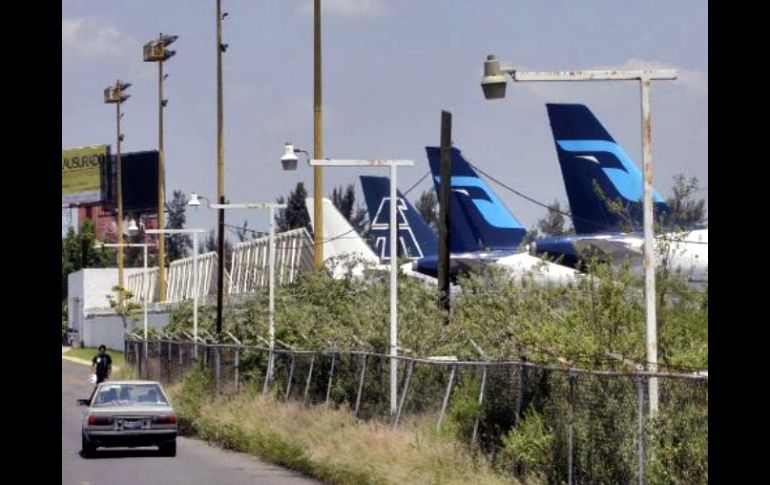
(309, 376)
(168, 362)
(446, 396)
(570, 427)
(217, 368)
(237, 368)
(640, 426)
(403, 393)
(146, 360)
(481, 400)
(160, 360)
(138, 362)
(360, 384)
(519, 393)
(291, 374)
(267, 373)
(331, 376)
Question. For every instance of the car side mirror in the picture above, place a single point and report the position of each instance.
(83, 402)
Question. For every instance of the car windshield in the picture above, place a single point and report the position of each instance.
(129, 394)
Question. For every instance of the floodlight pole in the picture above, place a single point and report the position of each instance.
(493, 78)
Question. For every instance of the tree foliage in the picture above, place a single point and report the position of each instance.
(295, 215)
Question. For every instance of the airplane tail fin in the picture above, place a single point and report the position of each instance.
(340, 239)
(479, 220)
(603, 185)
(416, 239)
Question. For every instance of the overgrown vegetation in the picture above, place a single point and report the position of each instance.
(328, 444)
(523, 422)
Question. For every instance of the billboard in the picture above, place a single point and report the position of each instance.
(140, 183)
(82, 172)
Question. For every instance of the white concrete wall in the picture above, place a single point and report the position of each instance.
(87, 292)
(74, 300)
(107, 328)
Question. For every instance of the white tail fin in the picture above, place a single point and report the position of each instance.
(340, 240)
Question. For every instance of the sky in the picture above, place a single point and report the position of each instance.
(389, 68)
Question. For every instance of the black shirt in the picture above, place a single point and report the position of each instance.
(103, 363)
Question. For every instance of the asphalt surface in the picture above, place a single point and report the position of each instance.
(196, 462)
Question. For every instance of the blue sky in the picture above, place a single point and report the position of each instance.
(389, 68)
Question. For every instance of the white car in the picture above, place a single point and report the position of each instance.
(129, 414)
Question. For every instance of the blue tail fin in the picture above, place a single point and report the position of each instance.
(475, 208)
(416, 238)
(597, 172)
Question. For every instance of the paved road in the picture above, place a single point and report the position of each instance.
(195, 463)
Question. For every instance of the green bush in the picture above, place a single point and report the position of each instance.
(527, 447)
(577, 325)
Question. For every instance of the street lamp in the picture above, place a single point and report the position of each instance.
(115, 95)
(156, 51)
(132, 227)
(271, 263)
(195, 233)
(392, 164)
(493, 84)
(289, 159)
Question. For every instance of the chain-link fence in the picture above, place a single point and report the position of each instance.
(569, 425)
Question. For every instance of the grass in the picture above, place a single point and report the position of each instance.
(331, 444)
(118, 359)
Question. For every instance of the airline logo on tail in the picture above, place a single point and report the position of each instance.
(614, 162)
(476, 192)
(381, 230)
(415, 238)
(479, 220)
(597, 172)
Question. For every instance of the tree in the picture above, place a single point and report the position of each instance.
(210, 245)
(178, 246)
(79, 251)
(427, 206)
(686, 211)
(295, 215)
(124, 305)
(553, 222)
(242, 232)
(344, 199)
(531, 235)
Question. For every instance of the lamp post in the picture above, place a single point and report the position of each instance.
(287, 160)
(317, 139)
(493, 84)
(195, 233)
(115, 95)
(155, 51)
(221, 48)
(271, 263)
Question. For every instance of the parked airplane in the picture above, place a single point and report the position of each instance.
(596, 172)
(345, 251)
(419, 243)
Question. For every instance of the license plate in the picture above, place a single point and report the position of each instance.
(132, 424)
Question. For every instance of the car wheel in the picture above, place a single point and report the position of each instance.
(87, 448)
(168, 448)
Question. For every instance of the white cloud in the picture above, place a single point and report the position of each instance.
(86, 38)
(347, 8)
